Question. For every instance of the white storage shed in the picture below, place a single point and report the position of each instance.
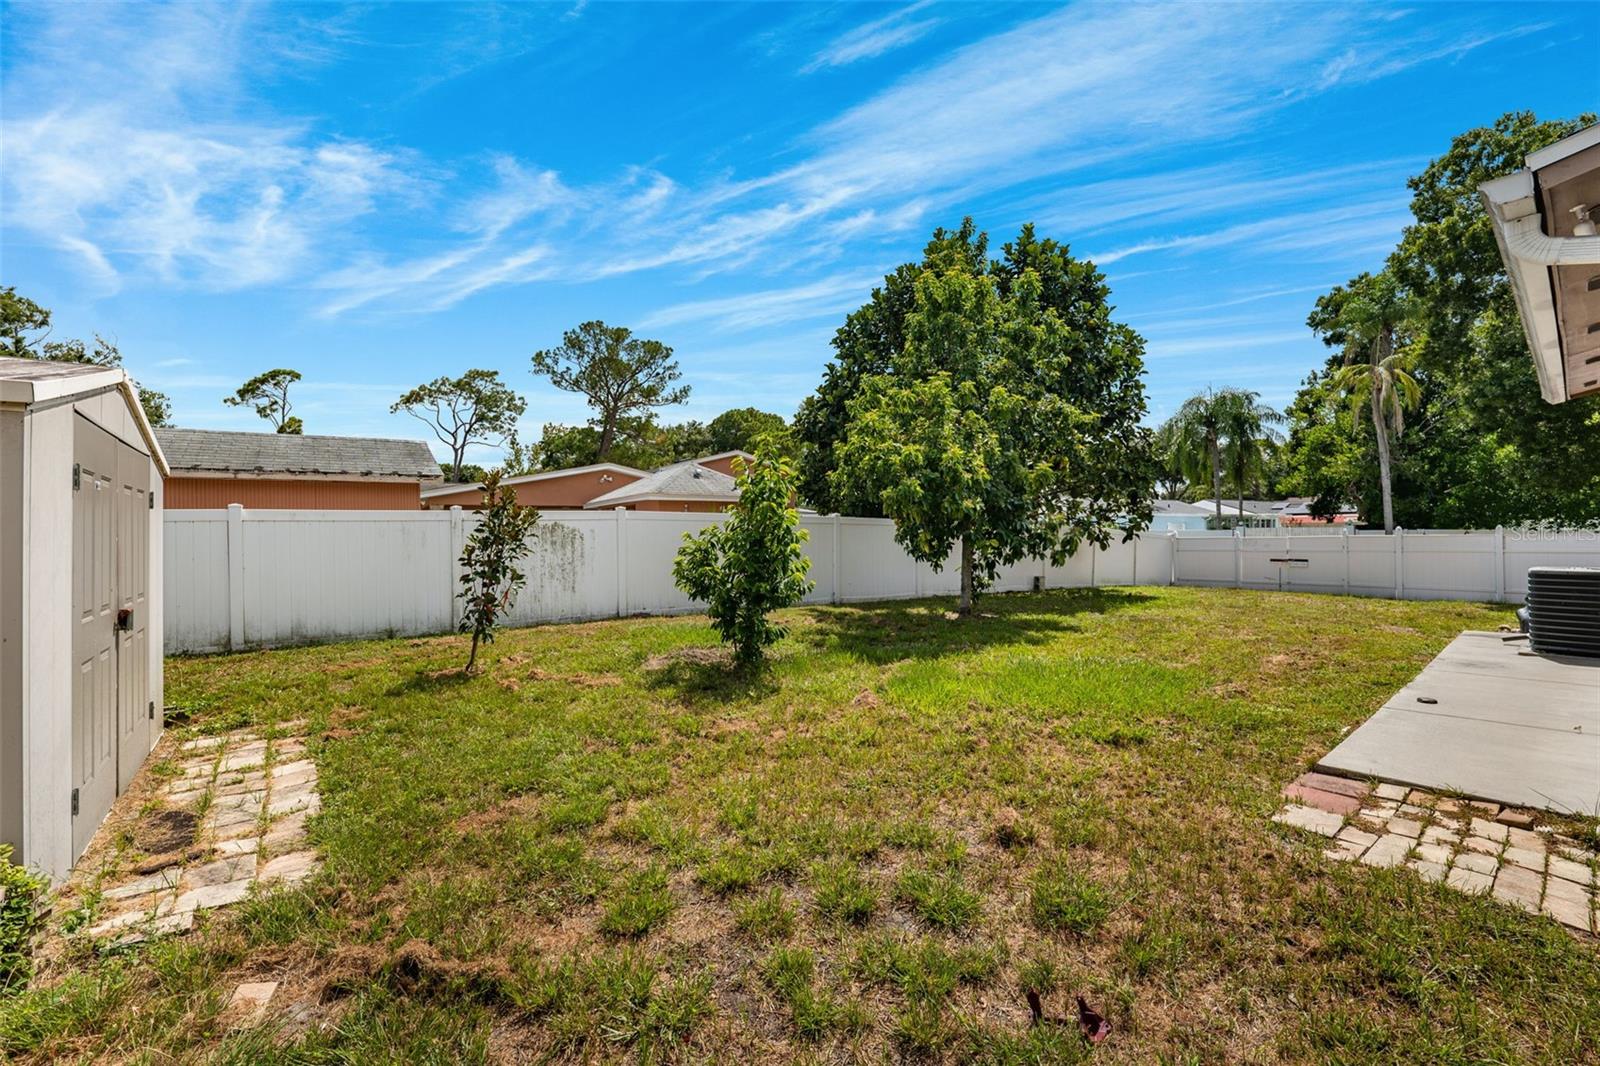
(80, 603)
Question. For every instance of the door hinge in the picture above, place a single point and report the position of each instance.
(77, 476)
(152, 710)
(74, 803)
(150, 500)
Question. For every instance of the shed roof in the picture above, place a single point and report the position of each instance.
(687, 481)
(37, 381)
(201, 451)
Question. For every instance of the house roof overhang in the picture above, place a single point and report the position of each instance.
(1554, 271)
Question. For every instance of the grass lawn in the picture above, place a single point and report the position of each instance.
(605, 848)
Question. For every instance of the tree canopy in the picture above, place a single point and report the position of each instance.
(268, 394)
(21, 317)
(744, 429)
(475, 408)
(621, 375)
(1008, 420)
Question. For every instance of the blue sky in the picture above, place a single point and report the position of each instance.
(380, 195)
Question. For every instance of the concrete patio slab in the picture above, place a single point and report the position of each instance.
(1489, 719)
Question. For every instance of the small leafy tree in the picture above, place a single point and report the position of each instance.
(490, 577)
(268, 394)
(752, 564)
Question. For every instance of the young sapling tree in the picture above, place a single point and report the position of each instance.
(752, 564)
(490, 574)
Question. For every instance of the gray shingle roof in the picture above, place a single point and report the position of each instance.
(1178, 507)
(678, 481)
(227, 451)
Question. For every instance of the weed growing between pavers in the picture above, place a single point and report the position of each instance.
(925, 817)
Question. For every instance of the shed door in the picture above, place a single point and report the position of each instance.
(133, 588)
(94, 636)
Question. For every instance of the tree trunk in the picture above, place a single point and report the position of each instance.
(1383, 461)
(1216, 477)
(472, 656)
(608, 432)
(965, 606)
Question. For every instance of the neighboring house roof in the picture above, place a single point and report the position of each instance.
(543, 475)
(1178, 507)
(211, 451)
(1303, 507)
(724, 455)
(689, 482)
(1552, 255)
(31, 381)
(1257, 508)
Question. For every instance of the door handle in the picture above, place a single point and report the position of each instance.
(125, 619)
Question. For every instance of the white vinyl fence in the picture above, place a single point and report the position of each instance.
(237, 578)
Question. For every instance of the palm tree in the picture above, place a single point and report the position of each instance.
(1170, 478)
(1246, 425)
(1195, 433)
(1371, 316)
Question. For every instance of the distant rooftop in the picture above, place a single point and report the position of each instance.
(681, 481)
(202, 451)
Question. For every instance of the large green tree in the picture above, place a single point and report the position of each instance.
(1008, 422)
(1482, 448)
(475, 408)
(24, 334)
(1103, 375)
(621, 375)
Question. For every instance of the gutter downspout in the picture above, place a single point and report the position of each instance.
(1526, 241)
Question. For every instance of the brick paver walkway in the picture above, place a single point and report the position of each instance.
(252, 795)
(1473, 847)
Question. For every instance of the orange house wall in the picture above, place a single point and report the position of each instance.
(555, 493)
(189, 493)
(722, 466)
(680, 507)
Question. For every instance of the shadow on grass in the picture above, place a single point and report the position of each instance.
(435, 681)
(887, 632)
(698, 679)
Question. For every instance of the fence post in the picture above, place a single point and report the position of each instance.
(1345, 541)
(1094, 557)
(458, 545)
(837, 597)
(1238, 555)
(1135, 543)
(1172, 557)
(622, 561)
(1499, 564)
(1399, 562)
(235, 576)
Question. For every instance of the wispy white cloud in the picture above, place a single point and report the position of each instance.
(771, 307)
(132, 165)
(169, 166)
(873, 39)
(1344, 230)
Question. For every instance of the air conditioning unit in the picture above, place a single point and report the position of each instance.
(1563, 612)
